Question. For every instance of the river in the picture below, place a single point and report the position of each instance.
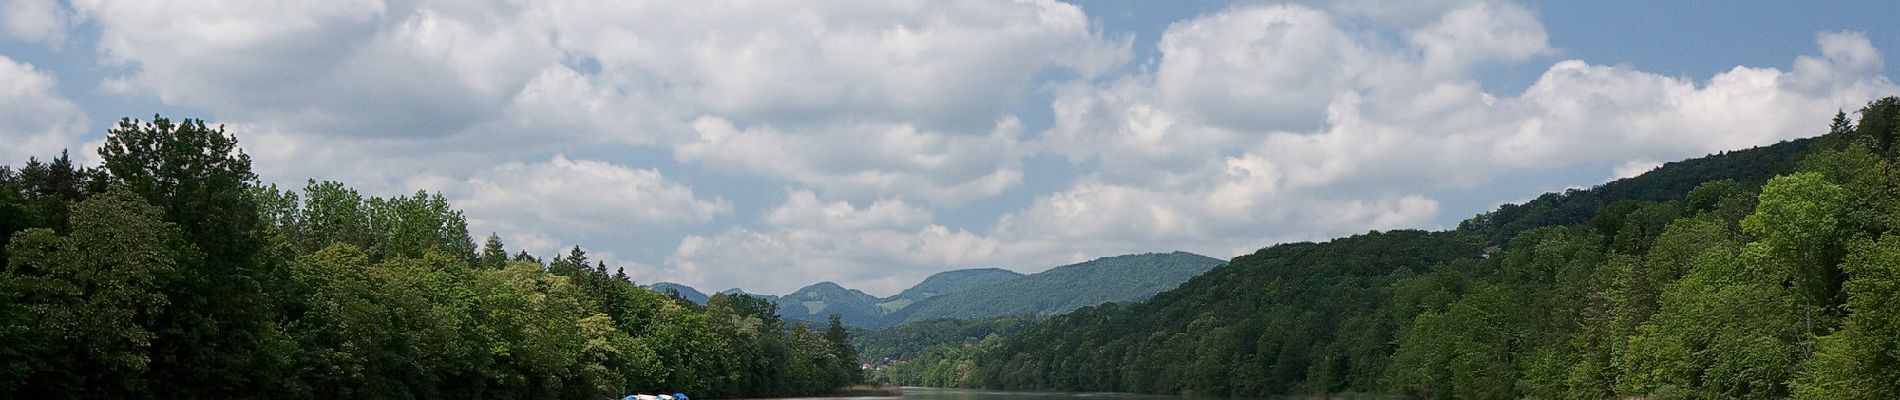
(917, 393)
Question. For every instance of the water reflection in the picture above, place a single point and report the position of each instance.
(917, 393)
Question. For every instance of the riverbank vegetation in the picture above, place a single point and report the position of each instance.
(1763, 273)
(170, 272)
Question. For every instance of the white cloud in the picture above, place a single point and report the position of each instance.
(939, 64)
(881, 248)
(888, 103)
(34, 120)
(802, 209)
(1212, 151)
(432, 68)
(938, 81)
(39, 21)
(1480, 33)
(1253, 125)
(863, 160)
(579, 198)
(359, 67)
(1278, 67)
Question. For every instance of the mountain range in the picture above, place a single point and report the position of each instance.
(984, 292)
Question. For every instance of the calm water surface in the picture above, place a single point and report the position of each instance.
(916, 393)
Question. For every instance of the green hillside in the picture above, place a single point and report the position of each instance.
(946, 282)
(819, 301)
(1065, 288)
(682, 291)
(906, 341)
(816, 303)
(1760, 273)
(989, 292)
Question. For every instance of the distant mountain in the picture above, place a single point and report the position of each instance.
(986, 292)
(768, 297)
(945, 283)
(816, 303)
(685, 292)
(1062, 289)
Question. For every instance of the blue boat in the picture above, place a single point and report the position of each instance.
(675, 396)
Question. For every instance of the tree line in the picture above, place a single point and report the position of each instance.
(170, 272)
(1782, 286)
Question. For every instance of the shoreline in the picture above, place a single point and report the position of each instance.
(853, 391)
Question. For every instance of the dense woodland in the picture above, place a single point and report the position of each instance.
(907, 341)
(1763, 273)
(169, 272)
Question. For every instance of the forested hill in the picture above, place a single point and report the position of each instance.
(948, 282)
(992, 292)
(1702, 279)
(1674, 180)
(904, 342)
(816, 303)
(822, 300)
(1062, 289)
(682, 291)
(169, 272)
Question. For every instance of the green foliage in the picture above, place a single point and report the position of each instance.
(1862, 361)
(948, 282)
(907, 341)
(222, 305)
(1798, 221)
(79, 308)
(1748, 167)
(844, 356)
(170, 273)
(1727, 330)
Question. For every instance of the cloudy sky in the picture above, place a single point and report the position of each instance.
(772, 144)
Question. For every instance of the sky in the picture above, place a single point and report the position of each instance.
(768, 145)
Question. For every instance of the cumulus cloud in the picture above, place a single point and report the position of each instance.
(1256, 125)
(802, 209)
(865, 160)
(571, 199)
(1252, 125)
(34, 120)
(1214, 150)
(1272, 67)
(358, 67)
(881, 248)
(429, 68)
(1479, 33)
(394, 96)
(36, 21)
(762, 89)
(941, 64)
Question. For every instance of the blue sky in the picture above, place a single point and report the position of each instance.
(772, 145)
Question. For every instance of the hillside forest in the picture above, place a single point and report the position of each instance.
(1763, 273)
(170, 272)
